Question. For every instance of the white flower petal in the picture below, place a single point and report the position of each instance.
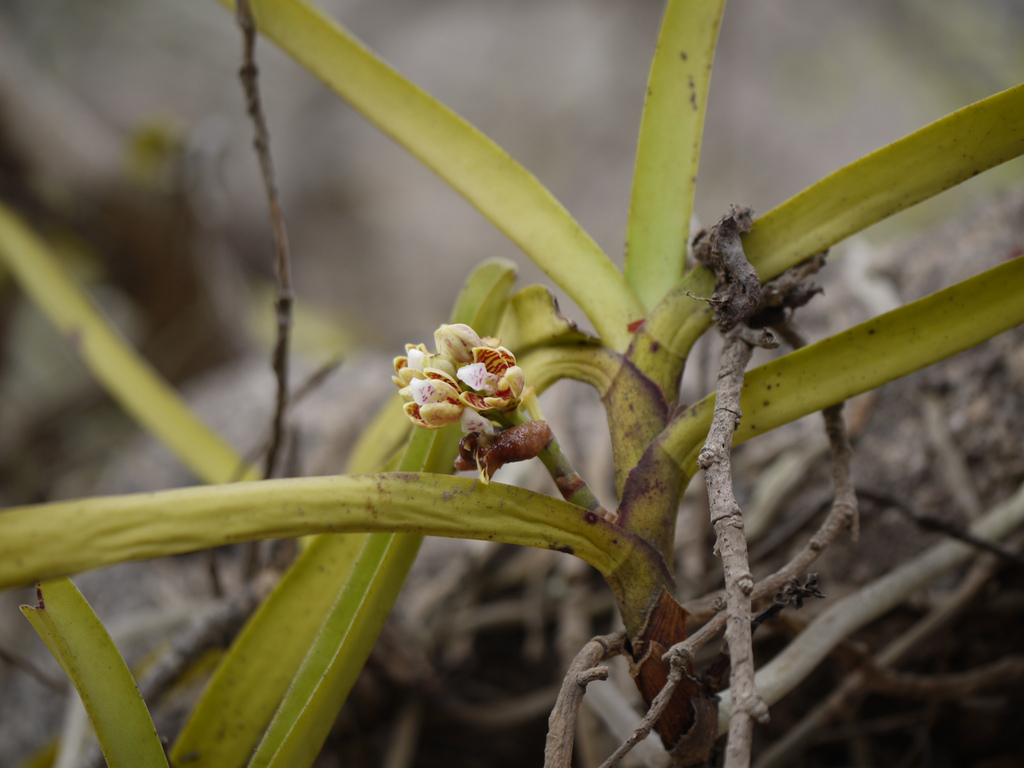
(423, 391)
(416, 358)
(476, 376)
(474, 422)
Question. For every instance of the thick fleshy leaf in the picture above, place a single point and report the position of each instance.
(533, 319)
(78, 640)
(252, 678)
(323, 682)
(931, 160)
(668, 150)
(921, 165)
(141, 526)
(864, 357)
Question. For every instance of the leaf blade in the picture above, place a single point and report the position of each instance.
(668, 150)
(142, 526)
(127, 377)
(81, 644)
(234, 711)
(502, 190)
(914, 168)
(861, 358)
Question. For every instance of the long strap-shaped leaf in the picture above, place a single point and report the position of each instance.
(127, 377)
(80, 643)
(502, 190)
(323, 682)
(34, 543)
(249, 682)
(918, 166)
(668, 151)
(864, 357)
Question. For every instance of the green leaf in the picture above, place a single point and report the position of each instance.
(533, 320)
(931, 160)
(590, 363)
(508, 195)
(83, 648)
(862, 358)
(253, 676)
(668, 151)
(34, 543)
(918, 166)
(323, 682)
(485, 295)
(128, 378)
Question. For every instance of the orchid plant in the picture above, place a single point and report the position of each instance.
(472, 403)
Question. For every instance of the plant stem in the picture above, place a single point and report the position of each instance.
(571, 485)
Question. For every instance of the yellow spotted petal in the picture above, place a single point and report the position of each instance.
(516, 381)
(437, 415)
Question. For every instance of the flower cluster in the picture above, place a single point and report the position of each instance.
(466, 377)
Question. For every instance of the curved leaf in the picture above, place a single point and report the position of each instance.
(508, 195)
(864, 357)
(532, 320)
(668, 151)
(78, 640)
(918, 166)
(590, 363)
(485, 295)
(140, 526)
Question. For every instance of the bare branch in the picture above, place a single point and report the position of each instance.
(582, 671)
(852, 686)
(731, 545)
(649, 720)
(282, 263)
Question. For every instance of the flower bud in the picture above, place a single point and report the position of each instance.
(457, 342)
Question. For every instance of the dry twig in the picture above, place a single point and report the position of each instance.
(731, 544)
(737, 296)
(282, 263)
(582, 671)
(853, 685)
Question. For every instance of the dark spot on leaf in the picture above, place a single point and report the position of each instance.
(655, 346)
(565, 548)
(871, 332)
(766, 402)
(590, 517)
(682, 55)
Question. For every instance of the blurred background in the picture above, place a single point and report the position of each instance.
(124, 141)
